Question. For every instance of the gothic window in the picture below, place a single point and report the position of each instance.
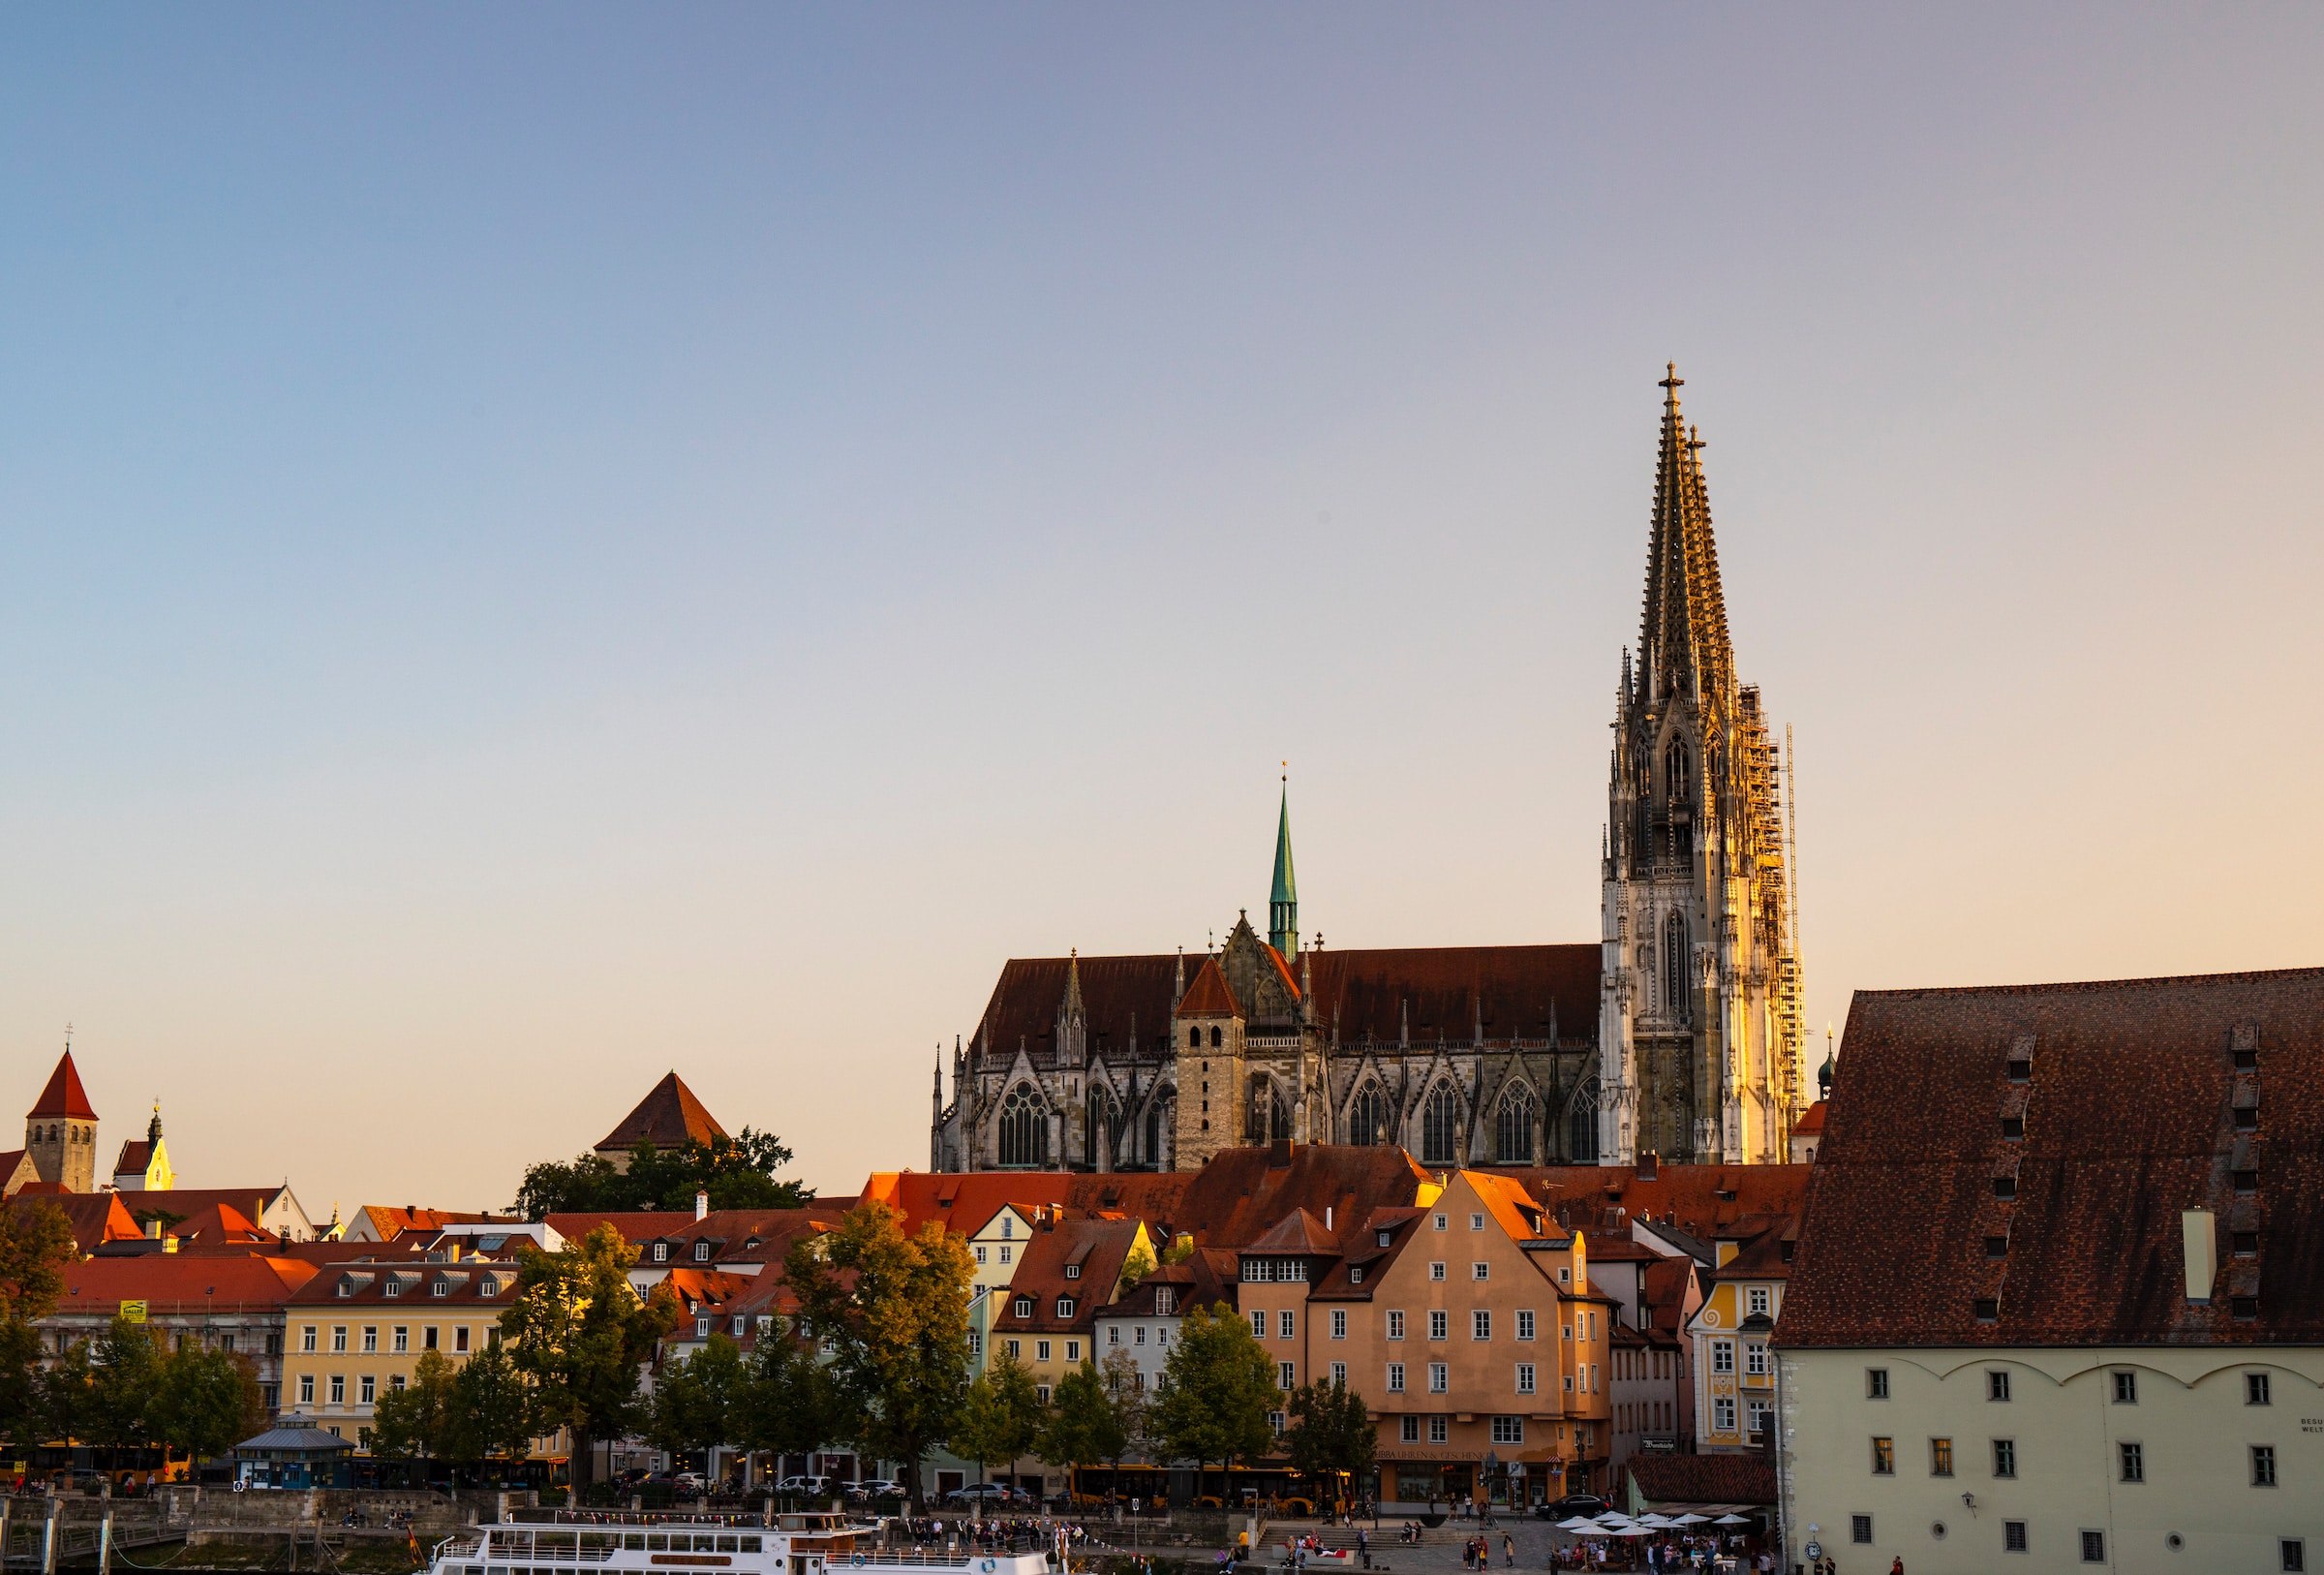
(1157, 1121)
(1513, 1127)
(1440, 1119)
(1369, 1121)
(1582, 1125)
(1264, 1116)
(1194, 1038)
(1024, 1129)
(1105, 1117)
(1675, 773)
(1675, 967)
(1216, 1038)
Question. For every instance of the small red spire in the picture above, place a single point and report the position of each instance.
(64, 1095)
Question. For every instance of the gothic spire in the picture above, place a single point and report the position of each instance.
(1682, 639)
(1283, 903)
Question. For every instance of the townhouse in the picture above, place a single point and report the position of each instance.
(232, 1303)
(1729, 1336)
(1068, 1271)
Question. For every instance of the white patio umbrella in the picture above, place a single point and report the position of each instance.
(1628, 1530)
(1578, 1523)
(1650, 1518)
(1690, 1518)
(1731, 1519)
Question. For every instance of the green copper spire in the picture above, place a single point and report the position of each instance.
(1283, 904)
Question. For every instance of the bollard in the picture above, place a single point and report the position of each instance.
(49, 1539)
(105, 1543)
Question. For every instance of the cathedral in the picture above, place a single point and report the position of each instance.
(1676, 1034)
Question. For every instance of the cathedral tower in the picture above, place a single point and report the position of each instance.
(1283, 902)
(1699, 1021)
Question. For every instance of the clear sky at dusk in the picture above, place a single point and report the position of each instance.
(541, 546)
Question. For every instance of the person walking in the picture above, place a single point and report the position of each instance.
(1364, 1548)
(1508, 1551)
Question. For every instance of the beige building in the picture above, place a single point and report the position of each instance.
(2058, 1301)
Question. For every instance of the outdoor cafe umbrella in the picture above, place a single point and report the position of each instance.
(1690, 1518)
(1731, 1519)
(1579, 1523)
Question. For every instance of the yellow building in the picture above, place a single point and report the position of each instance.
(1047, 1318)
(1734, 1376)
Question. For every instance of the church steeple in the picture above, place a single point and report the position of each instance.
(1283, 902)
(1683, 645)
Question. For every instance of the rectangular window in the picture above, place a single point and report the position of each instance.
(2094, 1547)
(1283, 1325)
(1004, 1254)
(1073, 1351)
(1113, 1334)
(2263, 1465)
(1722, 1414)
(1524, 1378)
(1137, 1336)
(1340, 1375)
(338, 1337)
(368, 1390)
(306, 1388)
(976, 1343)
(1439, 1324)
(1016, 1351)
(1410, 1432)
(1859, 1528)
(1754, 1359)
(1440, 1380)
(1480, 1271)
(1259, 1325)
(1440, 1429)
(1395, 1326)
(1508, 1430)
(1439, 1221)
(1481, 1324)
(1758, 1301)
(2293, 1555)
(2255, 1389)
(338, 1389)
(980, 1253)
(2013, 1536)
(1339, 1323)
(1524, 1323)
(460, 1337)
(1722, 1356)
(1436, 1270)
(403, 1339)
(1287, 1376)
(1041, 1350)
(1883, 1457)
(1941, 1457)
(1875, 1383)
(306, 1338)
(1395, 1378)
(2004, 1456)
(2133, 1459)
(2126, 1388)
(371, 1337)
(1997, 1385)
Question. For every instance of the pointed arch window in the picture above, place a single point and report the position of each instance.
(1677, 771)
(1160, 1117)
(1513, 1127)
(1440, 1124)
(1368, 1121)
(1581, 1125)
(1676, 952)
(1104, 1124)
(1024, 1129)
(1266, 1116)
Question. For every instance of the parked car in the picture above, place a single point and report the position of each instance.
(677, 1484)
(988, 1495)
(1585, 1504)
(803, 1487)
(875, 1487)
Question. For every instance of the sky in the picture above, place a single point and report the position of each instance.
(538, 547)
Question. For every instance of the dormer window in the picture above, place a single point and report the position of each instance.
(1165, 1301)
(2021, 1069)
(1065, 1307)
(2013, 1127)
(701, 1251)
(1355, 1274)
(1382, 1238)
(661, 1251)
(443, 1286)
(702, 1328)
(393, 1287)
(1073, 1271)
(1022, 1307)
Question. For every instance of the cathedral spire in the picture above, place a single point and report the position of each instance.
(1283, 903)
(1682, 637)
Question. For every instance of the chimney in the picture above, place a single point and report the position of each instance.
(2199, 1230)
(1327, 1216)
(153, 1228)
(701, 1204)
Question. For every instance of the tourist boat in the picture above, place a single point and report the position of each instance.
(566, 1542)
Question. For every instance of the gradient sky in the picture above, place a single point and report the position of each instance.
(541, 546)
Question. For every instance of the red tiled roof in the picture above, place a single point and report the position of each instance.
(1208, 995)
(64, 1095)
(1298, 1232)
(1242, 1192)
(1810, 1122)
(1703, 1479)
(1283, 971)
(216, 1225)
(169, 1283)
(1703, 1200)
(633, 1228)
(389, 1220)
(2130, 1100)
(185, 1202)
(1095, 1247)
(668, 1117)
(136, 1155)
(96, 1217)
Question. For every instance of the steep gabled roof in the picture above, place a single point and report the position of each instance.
(1208, 995)
(1682, 634)
(96, 1217)
(64, 1098)
(136, 1155)
(1298, 1233)
(668, 1117)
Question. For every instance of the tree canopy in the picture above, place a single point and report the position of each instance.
(580, 1334)
(1218, 1387)
(1330, 1432)
(1001, 1417)
(737, 1172)
(1084, 1424)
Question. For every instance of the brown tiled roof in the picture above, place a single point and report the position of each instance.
(1096, 1248)
(136, 1155)
(1704, 1479)
(1297, 1233)
(389, 1220)
(2128, 1103)
(96, 1217)
(470, 1280)
(168, 1283)
(632, 1228)
(668, 1117)
(1703, 1200)
(1441, 990)
(11, 1161)
(186, 1202)
(1208, 995)
(1811, 1120)
(1244, 1193)
(64, 1096)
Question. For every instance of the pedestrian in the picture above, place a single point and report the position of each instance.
(1364, 1548)
(1508, 1551)
(1897, 1569)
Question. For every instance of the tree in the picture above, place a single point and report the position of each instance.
(696, 1401)
(1083, 1424)
(892, 1312)
(62, 1413)
(580, 1334)
(1128, 1395)
(787, 1405)
(414, 1422)
(125, 1370)
(1332, 1433)
(495, 1412)
(205, 1401)
(1136, 1265)
(1001, 1416)
(737, 1172)
(1218, 1388)
(36, 1248)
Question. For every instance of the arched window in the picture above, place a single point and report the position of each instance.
(1024, 1129)
(1194, 1038)
(1675, 1003)
(1265, 1115)
(1369, 1121)
(1676, 774)
(1217, 1038)
(1513, 1127)
(1159, 1118)
(1105, 1117)
(1440, 1121)
(1581, 1125)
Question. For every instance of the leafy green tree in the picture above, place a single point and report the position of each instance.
(696, 1401)
(64, 1395)
(415, 1422)
(1136, 1265)
(892, 1312)
(1083, 1424)
(1218, 1387)
(205, 1401)
(737, 1172)
(580, 1334)
(125, 1370)
(1332, 1433)
(1120, 1372)
(1001, 1417)
(36, 1248)
(495, 1412)
(786, 1406)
